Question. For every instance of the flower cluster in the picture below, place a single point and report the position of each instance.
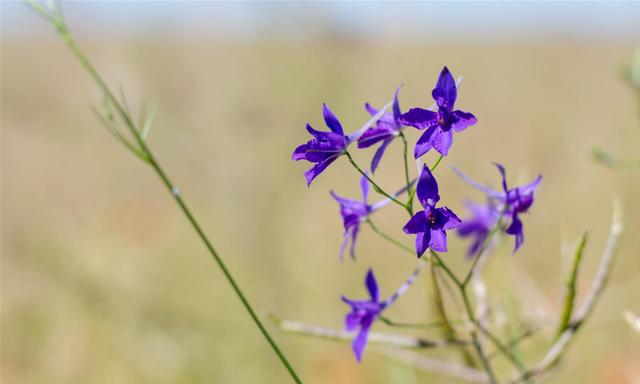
(508, 203)
(430, 224)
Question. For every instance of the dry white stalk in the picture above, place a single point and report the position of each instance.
(395, 340)
(445, 368)
(633, 319)
(597, 285)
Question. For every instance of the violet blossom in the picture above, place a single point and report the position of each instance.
(513, 202)
(430, 225)
(441, 124)
(364, 312)
(482, 221)
(385, 130)
(353, 213)
(324, 148)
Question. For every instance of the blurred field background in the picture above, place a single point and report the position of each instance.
(103, 280)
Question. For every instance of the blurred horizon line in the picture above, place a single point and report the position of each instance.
(298, 21)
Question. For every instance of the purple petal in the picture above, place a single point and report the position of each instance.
(360, 342)
(417, 224)
(463, 120)
(317, 169)
(438, 240)
(422, 242)
(331, 120)
(341, 200)
(378, 155)
(503, 173)
(314, 132)
(530, 188)
(347, 237)
(469, 227)
(477, 185)
(374, 135)
(515, 229)
(475, 246)
(352, 321)
(372, 285)
(396, 104)
(372, 111)
(364, 187)
(300, 153)
(427, 189)
(354, 235)
(352, 303)
(425, 142)
(445, 92)
(452, 221)
(442, 141)
(419, 118)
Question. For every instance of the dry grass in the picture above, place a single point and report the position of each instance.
(104, 282)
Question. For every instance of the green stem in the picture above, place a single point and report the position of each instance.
(471, 314)
(446, 269)
(503, 349)
(389, 238)
(481, 250)
(514, 342)
(483, 357)
(375, 186)
(447, 329)
(570, 295)
(405, 149)
(435, 324)
(494, 339)
(151, 160)
(434, 166)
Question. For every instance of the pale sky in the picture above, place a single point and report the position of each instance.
(300, 20)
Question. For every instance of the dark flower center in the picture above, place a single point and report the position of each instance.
(444, 119)
(432, 218)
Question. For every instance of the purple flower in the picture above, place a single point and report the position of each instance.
(439, 125)
(364, 312)
(479, 225)
(324, 148)
(385, 130)
(353, 213)
(430, 225)
(512, 201)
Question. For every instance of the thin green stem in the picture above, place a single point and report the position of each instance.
(389, 238)
(494, 339)
(481, 250)
(514, 342)
(175, 192)
(474, 335)
(434, 166)
(375, 186)
(446, 269)
(405, 150)
(435, 324)
(570, 295)
(448, 330)
(483, 357)
(471, 314)
(503, 348)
